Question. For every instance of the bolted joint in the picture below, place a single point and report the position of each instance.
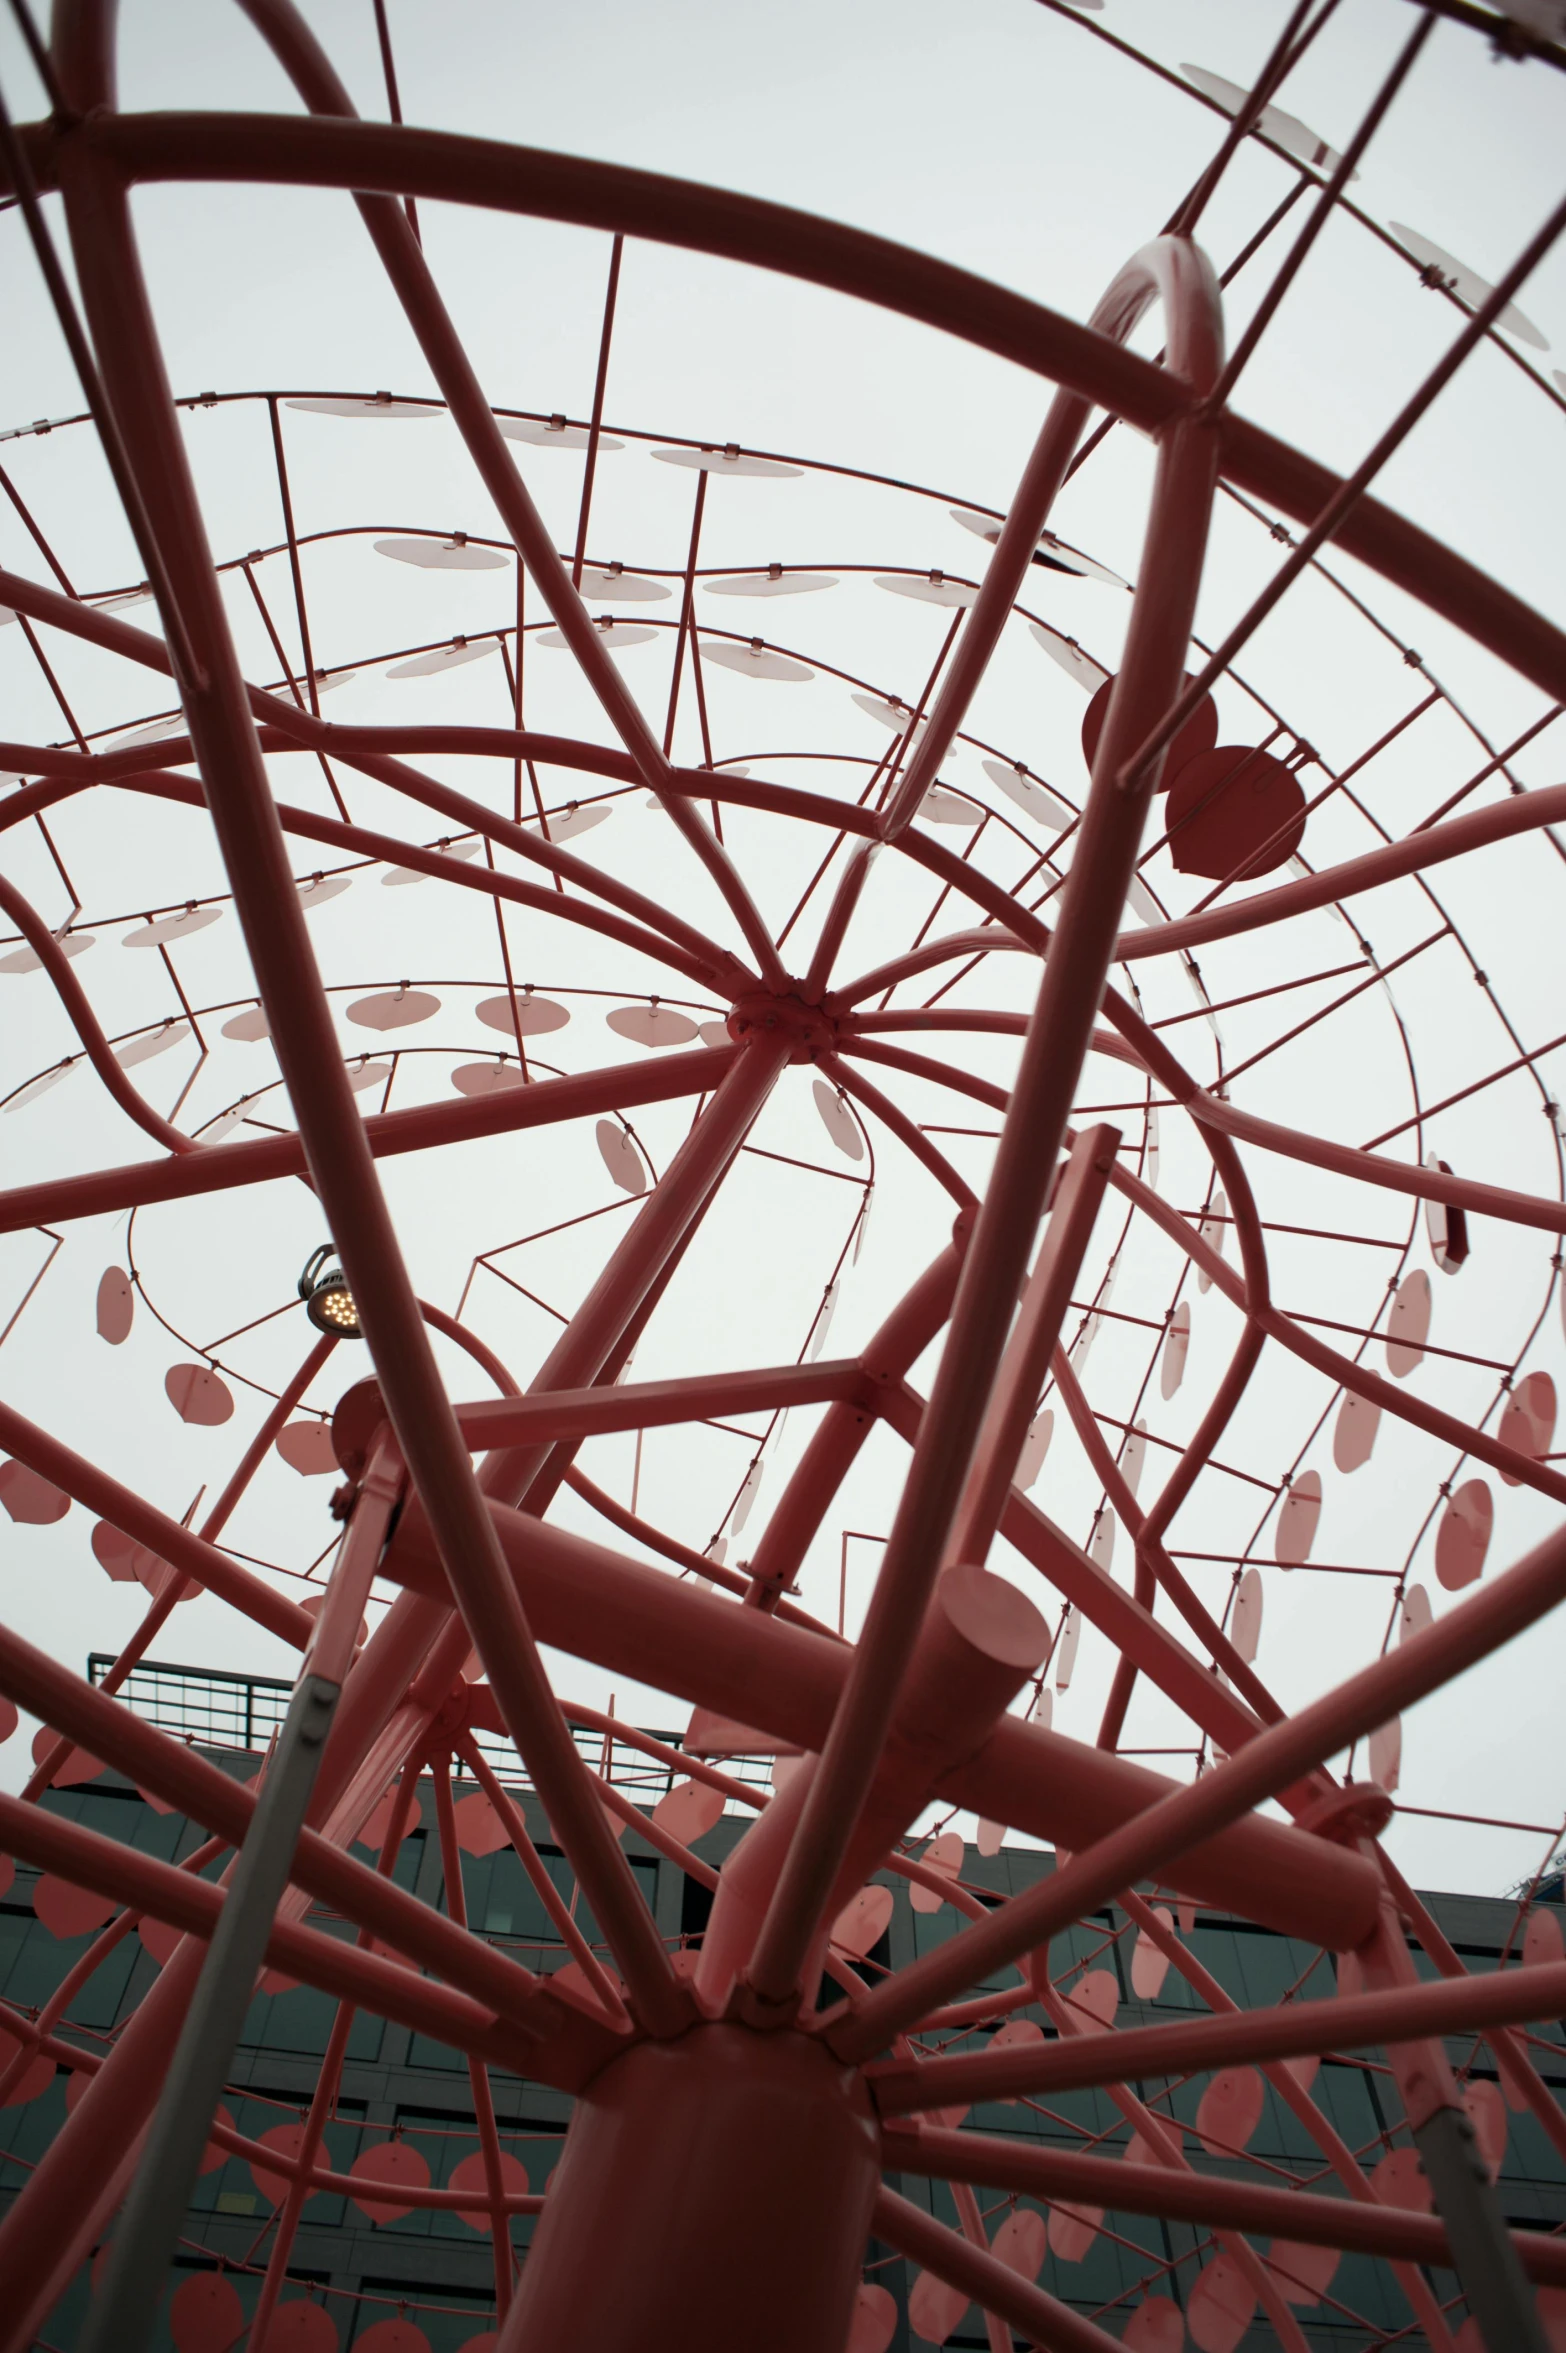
(810, 1029)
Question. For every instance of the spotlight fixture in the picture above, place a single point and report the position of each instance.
(328, 1300)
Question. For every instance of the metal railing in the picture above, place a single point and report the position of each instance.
(212, 1707)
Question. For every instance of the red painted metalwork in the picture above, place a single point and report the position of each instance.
(729, 2135)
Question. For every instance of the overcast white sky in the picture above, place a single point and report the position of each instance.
(1009, 138)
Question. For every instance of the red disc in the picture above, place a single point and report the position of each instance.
(288, 2141)
(70, 1911)
(307, 1448)
(35, 2078)
(394, 2165)
(198, 1394)
(1234, 812)
(205, 2315)
(116, 1305)
(30, 1499)
(1199, 733)
(470, 2175)
(301, 2327)
(392, 2336)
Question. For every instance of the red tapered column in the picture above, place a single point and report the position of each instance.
(714, 2191)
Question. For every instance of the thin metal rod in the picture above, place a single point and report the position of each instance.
(595, 424)
(1321, 210)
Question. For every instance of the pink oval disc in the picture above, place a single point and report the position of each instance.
(1235, 812)
(288, 2141)
(1463, 1538)
(394, 1009)
(205, 2314)
(1303, 2273)
(393, 2165)
(31, 1500)
(1016, 2034)
(688, 1811)
(1072, 2230)
(1408, 1325)
(533, 1017)
(480, 1831)
(1230, 2110)
(307, 1448)
(1248, 1615)
(651, 1025)
(874, 2323)
(1354, 1431)
(1528, 1424)
(943, 1854)
(1022, 2242)
(1542, 1941)
(75, 1765)
(391, 2336)
(1149, 1962)
(1094, 1999)
(1221, 2305)
(862, 1922)
(1297, 1520)
(116, 1305)
(1198, 734)
(198, 1394)
(470, 2175)
(1386, 1754)
(487, 1078)
(301, 2327)
(620, 1157)
(373, 1833)
(1177, 1341)
(34, 2079)
(70, 1911)
(1158, 2326)
(1399, 2180)
(935, 2308)
(160, 1939)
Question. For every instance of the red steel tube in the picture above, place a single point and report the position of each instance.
(1267, 1763)
(1079, 1190)
(1058, 1039)
(421, 1128)
(547, 1416)
(1445, 2006)
(1041, 2317)
(181, 1547)
(443, 167)
(217, 1518)
(78, 1011)
(89, 1860)
(206, 1795)
(663, 1227)
(634, 1620)
(315, 78)
(1064, 2175)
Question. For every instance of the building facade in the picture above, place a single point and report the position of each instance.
(392, 2278)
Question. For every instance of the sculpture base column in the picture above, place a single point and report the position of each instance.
(714, 2191)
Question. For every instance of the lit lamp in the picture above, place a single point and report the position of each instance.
(328, 1300)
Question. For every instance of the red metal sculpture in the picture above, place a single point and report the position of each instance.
(730, 2135)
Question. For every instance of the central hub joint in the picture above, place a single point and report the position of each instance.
(809, 1027)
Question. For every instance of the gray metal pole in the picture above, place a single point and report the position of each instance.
(126, 2306)
(1498, 2290)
